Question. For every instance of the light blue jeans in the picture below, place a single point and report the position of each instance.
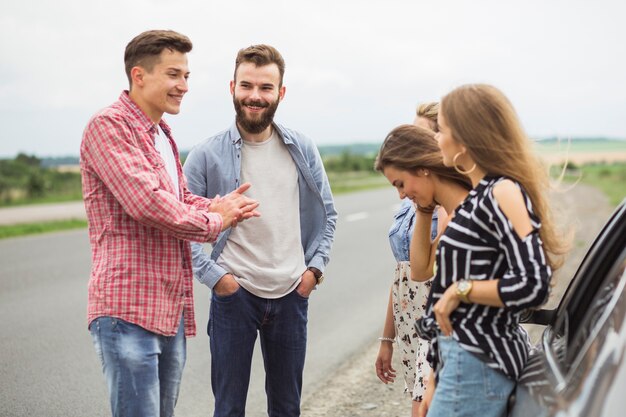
(143, 370)
(467, 386)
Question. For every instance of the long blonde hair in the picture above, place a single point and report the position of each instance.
(482, 119)
(429, 111)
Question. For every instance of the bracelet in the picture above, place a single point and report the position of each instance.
(387, 339)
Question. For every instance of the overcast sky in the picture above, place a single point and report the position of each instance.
(355, 68)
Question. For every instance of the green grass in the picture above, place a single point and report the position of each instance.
(347, 182)
(15, 230)
(580, 146)
(43, 200)
(610, 178)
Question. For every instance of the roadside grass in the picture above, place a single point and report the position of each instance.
(52, 198)
(14, 230)
(351, 181)
(610, 178)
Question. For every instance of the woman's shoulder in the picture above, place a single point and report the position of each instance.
(501, 187)
(508, 197)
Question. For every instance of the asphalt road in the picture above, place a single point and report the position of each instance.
(48, 366)
(42, 212)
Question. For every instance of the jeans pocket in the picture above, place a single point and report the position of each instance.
(94, 329)
(226, 298)
(300, 296)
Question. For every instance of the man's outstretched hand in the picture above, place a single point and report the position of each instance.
(235, 207)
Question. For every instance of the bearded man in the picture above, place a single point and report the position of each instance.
(262, 273)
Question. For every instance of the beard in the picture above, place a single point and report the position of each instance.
(256, 125)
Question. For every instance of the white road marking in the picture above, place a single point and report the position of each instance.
(357, 216)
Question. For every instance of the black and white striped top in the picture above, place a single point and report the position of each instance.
(481, 244)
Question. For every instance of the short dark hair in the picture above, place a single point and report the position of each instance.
(261, 55)
(145, 48)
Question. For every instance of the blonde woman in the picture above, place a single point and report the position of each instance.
(407, 298)
(494, 260)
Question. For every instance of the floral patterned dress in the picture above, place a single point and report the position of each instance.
(409, 303)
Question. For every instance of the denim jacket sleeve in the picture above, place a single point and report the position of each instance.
(206, 270)
(321, 254)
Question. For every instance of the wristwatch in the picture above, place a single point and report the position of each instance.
(463, 289)
(319, 275)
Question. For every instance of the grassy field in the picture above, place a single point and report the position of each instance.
(61, 198)
(578, 146)
(610, 178)
(43, 227)
(582, 151)
(599, 163)
(347, 182)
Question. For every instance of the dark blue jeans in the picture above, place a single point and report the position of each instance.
(234, 321)
(143, 370)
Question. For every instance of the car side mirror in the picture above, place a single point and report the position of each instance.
(541, 317)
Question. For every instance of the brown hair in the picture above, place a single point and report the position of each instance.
(409, 148)
(483, 120)
(429, 111)
(261, 55)
(145, 48)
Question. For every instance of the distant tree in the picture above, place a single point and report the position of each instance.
(349, 162)
(35, 184)
(30, 160)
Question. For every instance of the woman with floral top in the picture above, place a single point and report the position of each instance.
(407, 299)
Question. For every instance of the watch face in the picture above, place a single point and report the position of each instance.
(462, 286)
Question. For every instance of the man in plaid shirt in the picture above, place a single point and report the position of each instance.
(141, 219)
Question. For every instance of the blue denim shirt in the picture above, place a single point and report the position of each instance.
(214, 167)
(401, 230)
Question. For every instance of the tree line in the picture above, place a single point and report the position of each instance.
(24, 180)
(29, 179)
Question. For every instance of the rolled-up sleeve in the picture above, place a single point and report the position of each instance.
(110, 151)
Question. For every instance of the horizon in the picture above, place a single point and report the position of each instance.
(334, 145)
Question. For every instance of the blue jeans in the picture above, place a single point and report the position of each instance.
(467, 386)
(234, 321)
(142, 369)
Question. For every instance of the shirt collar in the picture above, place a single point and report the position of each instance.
(235, 135)
(140, 116)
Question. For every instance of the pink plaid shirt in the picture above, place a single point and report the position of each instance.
(138, 228)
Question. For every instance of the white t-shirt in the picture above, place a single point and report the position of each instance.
(162, 144)
(265, 253)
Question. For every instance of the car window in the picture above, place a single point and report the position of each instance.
(600, 315)
(597, 309)
(585, 300)
(592, 281)
(575, 354)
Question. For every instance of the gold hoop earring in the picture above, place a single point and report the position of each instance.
(460, 171)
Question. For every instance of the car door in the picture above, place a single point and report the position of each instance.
(580, 354)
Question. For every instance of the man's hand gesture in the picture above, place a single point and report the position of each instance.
(234, 207)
